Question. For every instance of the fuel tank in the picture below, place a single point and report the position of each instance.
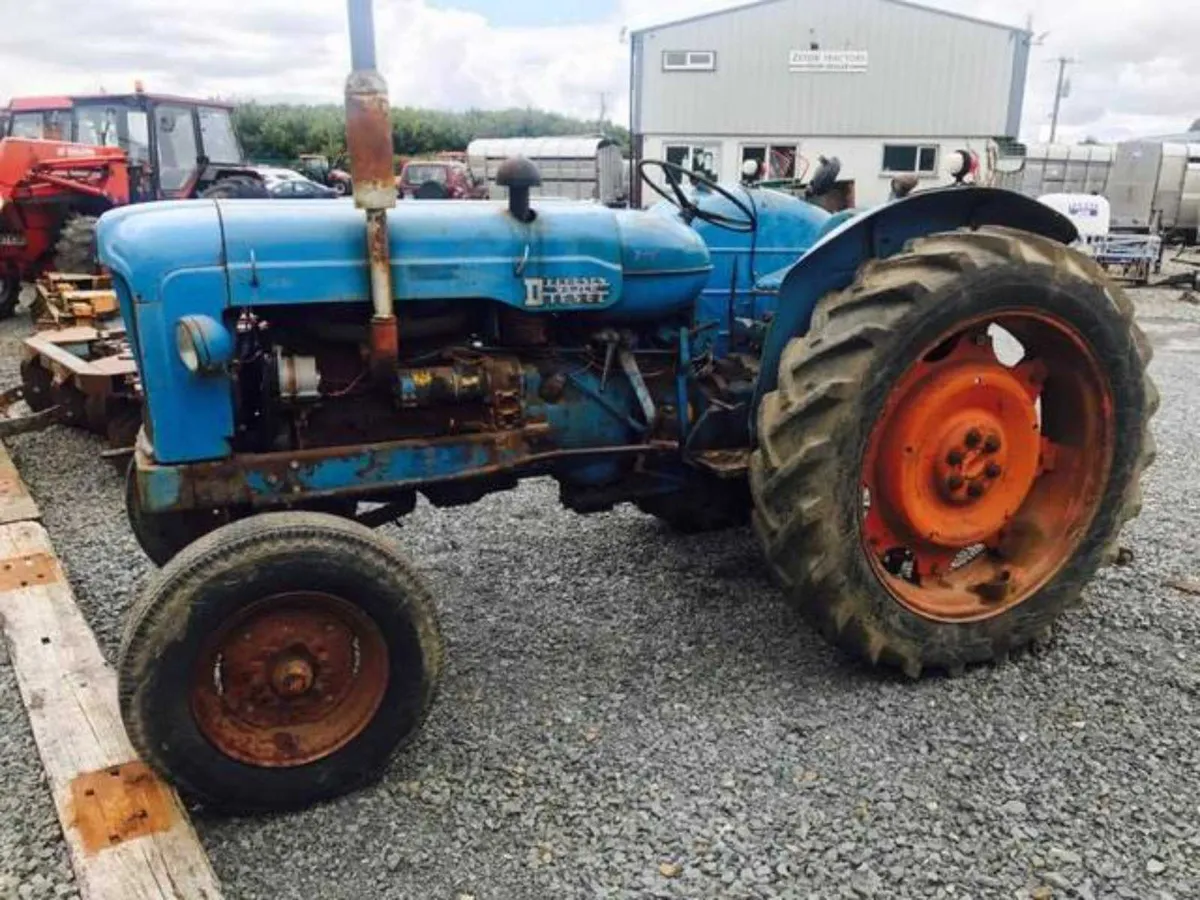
(571, 257)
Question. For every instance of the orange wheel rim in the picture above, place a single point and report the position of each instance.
(290, 680)
(982, 475)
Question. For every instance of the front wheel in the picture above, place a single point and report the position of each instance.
(953, 448)
(278, 662)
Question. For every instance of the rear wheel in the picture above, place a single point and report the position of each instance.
(10, 295)
(236, 187)
(278, 662)
(75, 252)
(954, 447)
(431, 190)
(711, 505)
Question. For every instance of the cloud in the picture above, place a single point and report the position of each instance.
(1136, 70)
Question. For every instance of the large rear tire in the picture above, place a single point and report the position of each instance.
(236, 187)
(279, 661)
(904, 502)
(10, 295)
(75, 251)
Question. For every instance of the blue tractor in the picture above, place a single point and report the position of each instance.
(934, 412)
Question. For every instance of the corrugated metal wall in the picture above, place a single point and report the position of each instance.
(928, 73)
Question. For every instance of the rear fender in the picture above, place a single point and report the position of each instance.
(834, 260)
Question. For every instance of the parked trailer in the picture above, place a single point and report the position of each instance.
(1154, 185)
(1057, 169)
(575, 168)
(1145, 186)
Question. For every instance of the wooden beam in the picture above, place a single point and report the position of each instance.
(16, 504)
(128, 834)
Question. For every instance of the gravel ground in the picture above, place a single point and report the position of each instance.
(627, 713)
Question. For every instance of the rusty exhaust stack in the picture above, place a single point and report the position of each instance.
(369, 141)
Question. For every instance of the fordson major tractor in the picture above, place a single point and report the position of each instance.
(935, 413)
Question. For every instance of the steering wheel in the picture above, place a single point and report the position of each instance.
(686, 205)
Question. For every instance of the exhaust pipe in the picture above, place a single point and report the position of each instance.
(369, 141)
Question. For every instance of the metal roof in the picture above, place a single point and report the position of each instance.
(1187, 137)
(922, 8)
(568, 147)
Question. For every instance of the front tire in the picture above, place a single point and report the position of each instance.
(902, 498)
(278, 662)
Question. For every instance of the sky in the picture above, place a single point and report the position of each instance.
(1137, 72)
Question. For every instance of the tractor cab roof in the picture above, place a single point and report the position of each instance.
(61, 102)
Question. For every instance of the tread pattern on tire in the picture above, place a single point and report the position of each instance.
(150, 625)
(75, 250)
(823, 371)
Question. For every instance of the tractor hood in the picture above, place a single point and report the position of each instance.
(573, 256)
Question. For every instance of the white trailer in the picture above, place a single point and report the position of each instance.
(1057, 169)
(590, 167)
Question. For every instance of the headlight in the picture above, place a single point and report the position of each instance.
(203, 343)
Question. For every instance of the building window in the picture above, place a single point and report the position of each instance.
(704, 161)
(777, 161)
(909, 158)
(689, 60)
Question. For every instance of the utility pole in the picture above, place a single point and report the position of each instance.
(1063, 62)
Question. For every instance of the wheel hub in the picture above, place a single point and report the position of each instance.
(961, 450)
(971, 499)
(292, 679)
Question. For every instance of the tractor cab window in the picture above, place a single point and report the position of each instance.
(137, 140)
(217, 135)
(28, 125)
(97, 126)
(177, 151)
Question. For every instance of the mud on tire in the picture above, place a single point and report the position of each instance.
(834, 386)
(214, 744)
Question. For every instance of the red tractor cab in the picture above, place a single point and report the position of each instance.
(66, 160)
(439, 179)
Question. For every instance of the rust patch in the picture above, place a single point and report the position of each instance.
(115, 805)
(33, 569)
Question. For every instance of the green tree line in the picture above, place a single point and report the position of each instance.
(283, 132)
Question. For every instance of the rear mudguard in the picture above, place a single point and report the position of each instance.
(833, 261)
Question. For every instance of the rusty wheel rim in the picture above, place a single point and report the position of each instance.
(290, 679)
(981, 476)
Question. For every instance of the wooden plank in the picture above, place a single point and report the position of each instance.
(16, 504)
(128, 834)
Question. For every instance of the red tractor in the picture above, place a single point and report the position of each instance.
(66, 160)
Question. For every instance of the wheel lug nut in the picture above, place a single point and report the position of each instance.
(954, 482)
(992, 444)
(973, 438)
(975, 490)
(993, 470)
(954, 458)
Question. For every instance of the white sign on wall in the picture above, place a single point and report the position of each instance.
(828, 60)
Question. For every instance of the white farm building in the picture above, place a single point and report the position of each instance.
(887, 86)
